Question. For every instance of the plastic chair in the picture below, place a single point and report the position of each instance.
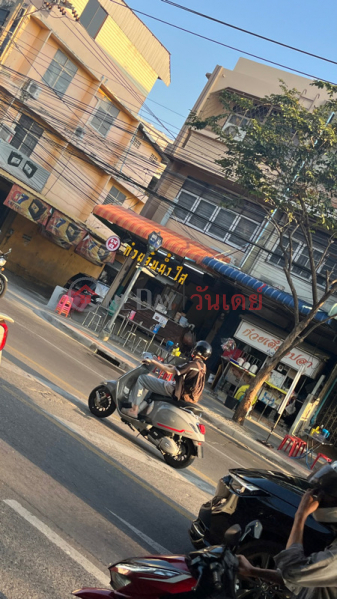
(321, 456)
(299, 446)
(65, 305)
(293, 445)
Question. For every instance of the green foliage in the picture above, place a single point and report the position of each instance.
(287, 157)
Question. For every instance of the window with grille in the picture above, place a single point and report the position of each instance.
(104, 117)
(27, 135)
(60, 73)
(236, 227)
(153, 159)
(301, 261)
(115, 197)
(136, 143)
(93, 17)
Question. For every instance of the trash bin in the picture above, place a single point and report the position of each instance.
(230, 402)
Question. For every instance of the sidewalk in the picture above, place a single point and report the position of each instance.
(215, 413)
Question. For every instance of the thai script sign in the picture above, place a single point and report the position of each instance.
(62, 231)
(161, 268)
(94, 251)
(25, 204)
(268, 344)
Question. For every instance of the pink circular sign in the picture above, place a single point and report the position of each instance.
(113, 243)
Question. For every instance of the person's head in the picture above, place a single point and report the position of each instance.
(325, 482)
(202, 349)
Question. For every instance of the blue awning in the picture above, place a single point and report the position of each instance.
(271, 292)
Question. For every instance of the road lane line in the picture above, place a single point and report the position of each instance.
(102, 455)
(54, 538)
(161, 550)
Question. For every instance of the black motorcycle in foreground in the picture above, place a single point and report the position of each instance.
(3, 278)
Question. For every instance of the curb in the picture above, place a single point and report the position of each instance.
(117, 363)
(249, 443)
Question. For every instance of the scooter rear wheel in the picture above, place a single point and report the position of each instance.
(100, 402)
(184, 458)
(3, 285)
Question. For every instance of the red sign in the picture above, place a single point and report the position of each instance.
(113, 243)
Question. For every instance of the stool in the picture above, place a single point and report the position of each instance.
(129, 336)
(167, 376)
(64, 306)
(294, 444)
(140, 342)
(298, 446)
(321, 456)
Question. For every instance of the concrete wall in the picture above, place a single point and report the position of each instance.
(36, 258)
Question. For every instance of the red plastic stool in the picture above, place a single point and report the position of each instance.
(64, 306)
(319, 457)
(298, 446)
(167, 376)
(286, 442)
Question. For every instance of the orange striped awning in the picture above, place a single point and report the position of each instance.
(142, 227)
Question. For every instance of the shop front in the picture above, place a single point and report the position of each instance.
(257, 340)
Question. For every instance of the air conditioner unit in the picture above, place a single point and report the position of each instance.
(236, 132)
(79, 132)
(32, 88)
(6, 133)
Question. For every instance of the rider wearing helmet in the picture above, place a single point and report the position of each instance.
(188, 385)
(313, 576)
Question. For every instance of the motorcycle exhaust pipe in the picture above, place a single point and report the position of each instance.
(164, 444)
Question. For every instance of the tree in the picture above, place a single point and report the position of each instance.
(285, 157)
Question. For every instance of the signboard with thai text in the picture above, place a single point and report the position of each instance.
(25, 204)
(163, 268)
(21, 166)
(94, 251)
(268, 344)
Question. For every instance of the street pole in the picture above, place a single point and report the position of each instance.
(154, 243)
(283, 405)
(106, 334)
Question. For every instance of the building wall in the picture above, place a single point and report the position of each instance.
(34, 257)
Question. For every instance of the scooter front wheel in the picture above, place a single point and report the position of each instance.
(184, 458)
(3, 285)
(100, 402)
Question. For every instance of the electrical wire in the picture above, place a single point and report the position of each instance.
(209, 39)
(247, 31)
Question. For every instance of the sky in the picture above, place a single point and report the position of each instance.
(310, 26)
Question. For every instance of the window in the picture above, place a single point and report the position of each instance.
(153, 159)
(27, 135)
(136, 143)
(60, 73)
(201, 210)
(115, 196)
(301, 263)
(93, 17)
(104, 117)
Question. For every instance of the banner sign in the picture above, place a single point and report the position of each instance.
(268, 344)
(18, 164)
(25, 204)
(62, 231)
(94, 251)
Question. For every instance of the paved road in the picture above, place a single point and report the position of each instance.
(77, 493)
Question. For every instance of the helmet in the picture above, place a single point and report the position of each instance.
(203, 349)
(228, 344)
(325, 480)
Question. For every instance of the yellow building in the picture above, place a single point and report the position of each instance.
(70, 133)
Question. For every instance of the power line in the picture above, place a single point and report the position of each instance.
(262, 37)
(209, 39)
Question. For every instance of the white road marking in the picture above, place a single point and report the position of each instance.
(225, 455)
(161, 550)
(58, 541)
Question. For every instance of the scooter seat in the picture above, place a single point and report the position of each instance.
(178, 404)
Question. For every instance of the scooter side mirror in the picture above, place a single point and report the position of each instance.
(253, 529)
(233, 535)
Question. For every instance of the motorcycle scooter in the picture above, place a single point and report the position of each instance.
(172, 426)
(3, 278)
(204, 574)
